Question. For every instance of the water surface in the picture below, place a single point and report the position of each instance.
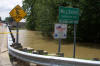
(34, 40)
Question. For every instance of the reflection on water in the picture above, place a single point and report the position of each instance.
(35, 40)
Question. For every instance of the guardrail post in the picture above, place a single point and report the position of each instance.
(18, 62)
(60, 54)
(17, 46)
(41, 52)
(22, 63)
(39, 65)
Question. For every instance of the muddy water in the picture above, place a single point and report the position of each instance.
(35, 40)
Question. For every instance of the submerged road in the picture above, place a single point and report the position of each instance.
(4, 57)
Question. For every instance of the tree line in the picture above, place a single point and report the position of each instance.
(43, 14)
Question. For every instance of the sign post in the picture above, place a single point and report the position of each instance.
(69, 16)
(17, 33)
(17, 14)
(59, 46)
(60, 33)
(74, 48)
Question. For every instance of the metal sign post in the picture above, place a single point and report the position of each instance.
(74, 47)
(17, 33)
(59, 46)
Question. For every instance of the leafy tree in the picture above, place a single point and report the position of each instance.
(9, 20)
(88, 28)
(28, 7)
(0, 19)
(42, 14)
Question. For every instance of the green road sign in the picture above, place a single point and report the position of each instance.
(68, 15)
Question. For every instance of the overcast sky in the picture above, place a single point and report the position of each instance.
(7, 5)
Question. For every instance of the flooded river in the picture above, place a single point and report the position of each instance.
(35, 40)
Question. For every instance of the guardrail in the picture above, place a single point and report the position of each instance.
(48, 60)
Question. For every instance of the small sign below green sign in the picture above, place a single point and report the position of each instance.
(68, 15)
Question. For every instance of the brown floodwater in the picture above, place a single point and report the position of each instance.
(35, 40)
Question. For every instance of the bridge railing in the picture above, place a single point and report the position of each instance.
(48, 60)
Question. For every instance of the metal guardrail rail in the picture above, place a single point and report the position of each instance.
(48, 60)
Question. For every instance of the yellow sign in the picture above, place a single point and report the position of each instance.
(17, 13)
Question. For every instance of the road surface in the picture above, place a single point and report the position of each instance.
(4, 57)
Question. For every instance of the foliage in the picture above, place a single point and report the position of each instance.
(43, 14)
(0, 19)
(9, 19)
(28, 7)
(88, 28)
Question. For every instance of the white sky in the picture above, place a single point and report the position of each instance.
(7, 5)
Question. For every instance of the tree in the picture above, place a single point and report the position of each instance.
(0, 19)
(88, 28)
(28, 7)
(9, 20)
(42, 14)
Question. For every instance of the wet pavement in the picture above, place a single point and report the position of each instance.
(4, 57)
